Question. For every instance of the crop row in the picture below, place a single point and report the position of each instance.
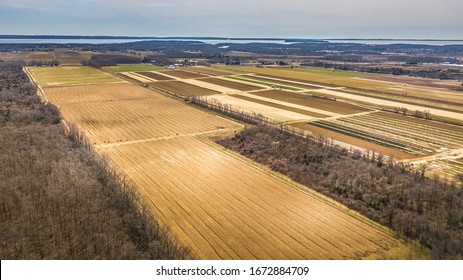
(378, 139)
(413, 126)
(410, 135)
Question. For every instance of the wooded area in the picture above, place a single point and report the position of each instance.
(59, 200)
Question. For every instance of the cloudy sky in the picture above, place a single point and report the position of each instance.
(236, 18)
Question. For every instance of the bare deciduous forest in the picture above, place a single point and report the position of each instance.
(430, 211)
(58, 199)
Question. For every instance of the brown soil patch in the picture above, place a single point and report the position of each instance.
(338, 107)
(182, 89)
(231, 84)
(279, 106)
(155, 76)
(184, 74)
(209, 72)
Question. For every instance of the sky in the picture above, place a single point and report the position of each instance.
(413, 19)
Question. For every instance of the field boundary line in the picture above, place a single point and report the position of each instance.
(194, 134)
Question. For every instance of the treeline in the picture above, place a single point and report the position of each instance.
(53, 62)
(58, 199)
(430, 211)
(228, 110)
(100, 60)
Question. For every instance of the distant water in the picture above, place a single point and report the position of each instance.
(388, 42)
(117, 41)
(67, 41)
(220, 41)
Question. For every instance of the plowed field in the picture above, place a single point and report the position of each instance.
(183, 89)
(230, 84)
(184, 74)
(318, 103)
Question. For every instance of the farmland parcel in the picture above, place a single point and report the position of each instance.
(216, 202)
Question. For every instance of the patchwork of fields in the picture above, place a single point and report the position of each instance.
(362, 121)
(348, 107)
(216, 202)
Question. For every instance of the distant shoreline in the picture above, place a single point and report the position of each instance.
(215, 38)
(97, 40)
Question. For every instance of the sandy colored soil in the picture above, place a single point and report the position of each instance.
(231, 84)
(274, 113)
(224, 208)
(337, 107)
(183, 89)
(183, 74)
(280, 106)
(382, 102)
(155, 76)
(354, 142)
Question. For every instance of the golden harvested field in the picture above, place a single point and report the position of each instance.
(183, 89)
(113, 114)
(354, 141)
(154, 75)
(224, 208)
(183, 74)
(338, 107)
(96, 93)
(231, 84)
(279, 106)
(70, 75)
